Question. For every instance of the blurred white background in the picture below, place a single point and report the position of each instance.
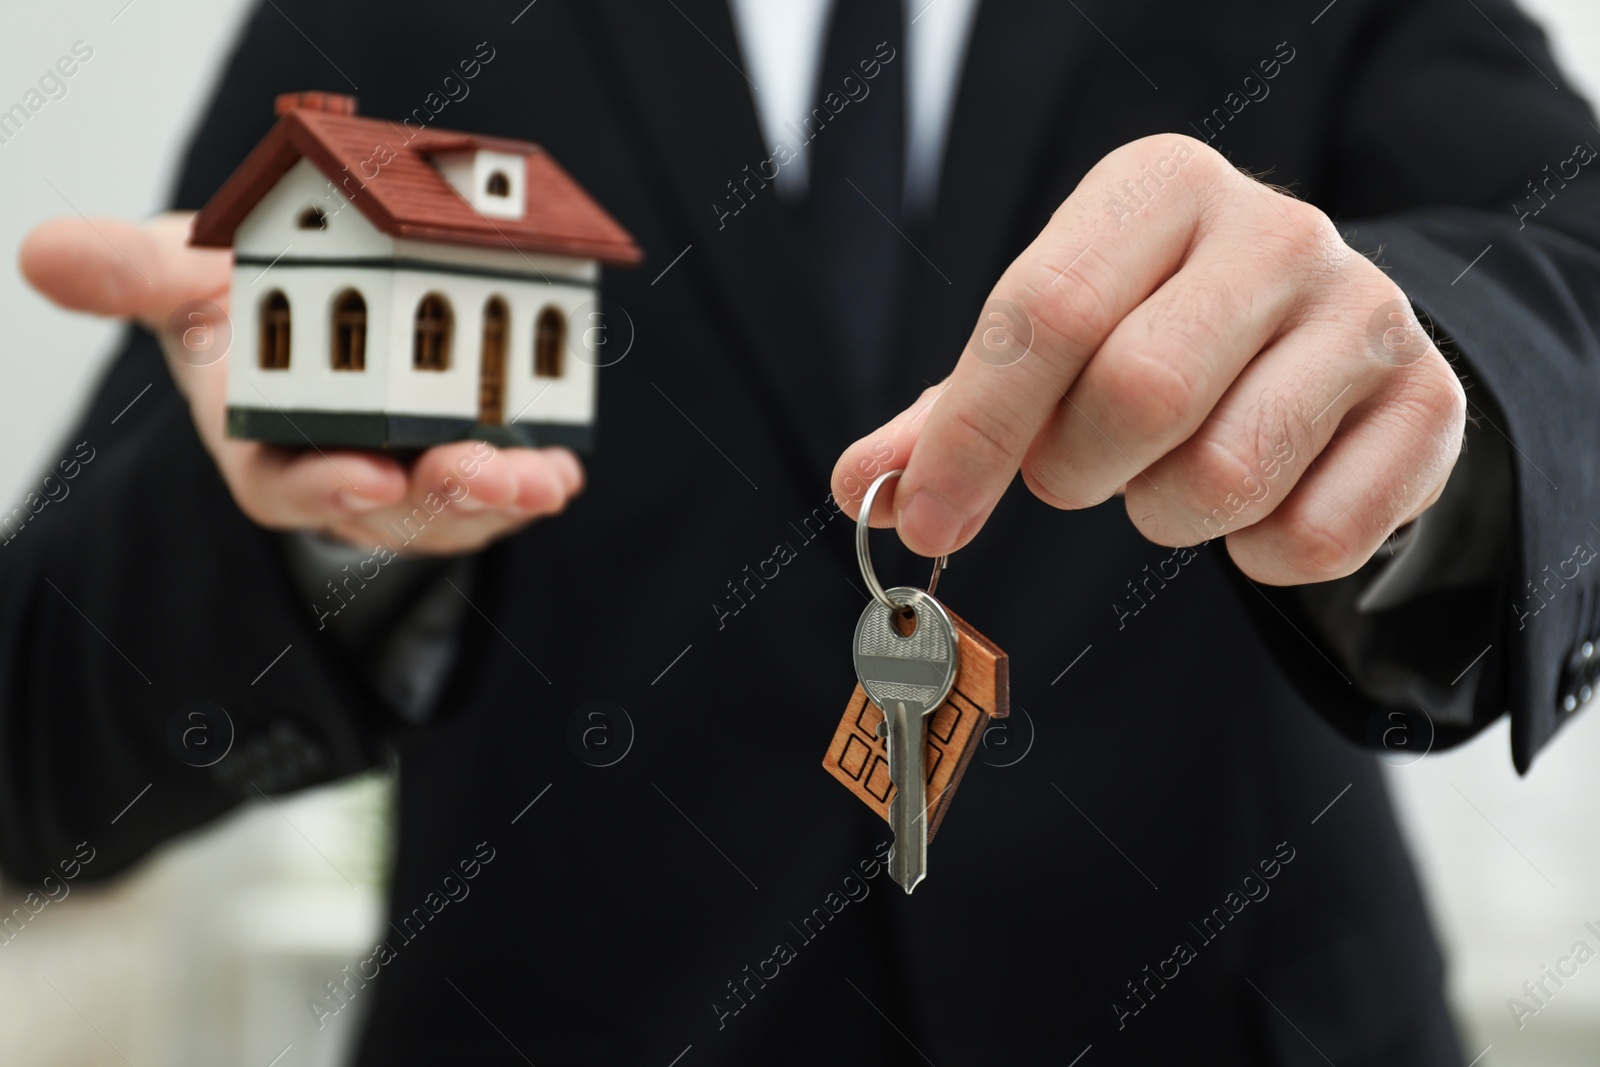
(207, 954)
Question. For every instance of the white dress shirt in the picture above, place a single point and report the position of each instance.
(781, 42)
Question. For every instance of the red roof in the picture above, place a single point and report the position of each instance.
(408, 196)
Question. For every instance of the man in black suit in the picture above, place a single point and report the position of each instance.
(1198, 870)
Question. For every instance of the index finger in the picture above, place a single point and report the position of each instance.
(1097, 260)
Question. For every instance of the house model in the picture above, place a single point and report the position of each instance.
(402, 287)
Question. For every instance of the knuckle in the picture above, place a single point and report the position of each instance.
(1063, 297)
(1209, 166)
(1325, 545)
(1216, 483)
(1376, 292)
(1156, 146)
(1153, 397)
(1190, 320)
(1385, 290)
(1307, 232)
(1046, 480)
(1434, 393)
(987, 435)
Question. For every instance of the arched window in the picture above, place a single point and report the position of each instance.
(492, 377)
(349, 349)
(498, 184)
(549, 338)
(274, 353)
(431, 347)
(313, 218)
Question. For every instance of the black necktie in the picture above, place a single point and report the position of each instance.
(857, 171)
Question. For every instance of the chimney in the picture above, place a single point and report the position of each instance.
(329, 103)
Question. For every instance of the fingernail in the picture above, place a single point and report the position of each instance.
(932, 521)
(471, 505)
(350, 500)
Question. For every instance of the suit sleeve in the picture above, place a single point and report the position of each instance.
(1466, 166)
(155, 664)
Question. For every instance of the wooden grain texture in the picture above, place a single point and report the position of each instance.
(859, 758)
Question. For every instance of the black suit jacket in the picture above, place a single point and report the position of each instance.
(1176, 763)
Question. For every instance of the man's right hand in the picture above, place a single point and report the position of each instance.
(146, 272)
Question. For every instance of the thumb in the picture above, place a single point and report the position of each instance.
(113, 267)
(887, 448)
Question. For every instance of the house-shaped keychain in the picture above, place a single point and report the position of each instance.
(401, 288)
(858, 755)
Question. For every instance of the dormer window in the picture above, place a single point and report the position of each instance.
(492, 182)
(313, 218)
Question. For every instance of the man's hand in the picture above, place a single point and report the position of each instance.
(147, 272)
(1208, 346)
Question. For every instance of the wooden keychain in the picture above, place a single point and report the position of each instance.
(859, 754)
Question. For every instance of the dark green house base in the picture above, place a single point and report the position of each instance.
(335, 429)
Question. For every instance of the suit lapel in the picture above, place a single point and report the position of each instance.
(679, 70)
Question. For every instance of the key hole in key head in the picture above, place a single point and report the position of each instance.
(905, 621)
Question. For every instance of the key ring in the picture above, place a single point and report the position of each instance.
(863, 553)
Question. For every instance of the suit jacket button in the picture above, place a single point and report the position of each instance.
(1570, 702)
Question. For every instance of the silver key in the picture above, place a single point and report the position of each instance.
(908, 677)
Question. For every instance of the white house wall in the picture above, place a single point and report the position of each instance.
(454, 391)
(310, 383)
(272, 226)
(571, 397)
(270, 233)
